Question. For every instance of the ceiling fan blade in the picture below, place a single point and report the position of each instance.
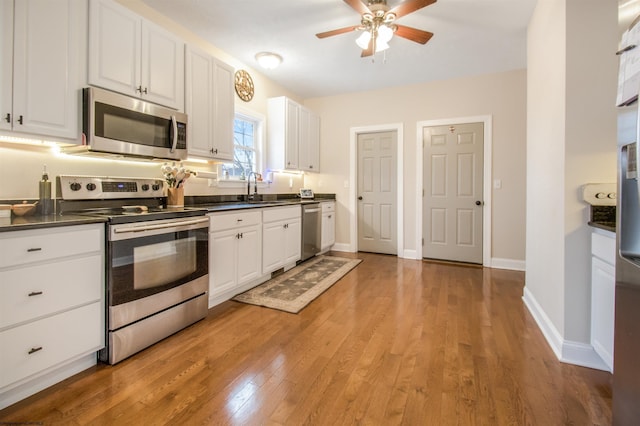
(336, 32)
(368, 51)
(358, 6)
(413, 34)
(409, 6)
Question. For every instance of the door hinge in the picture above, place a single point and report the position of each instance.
(423, 241)
(423, 192)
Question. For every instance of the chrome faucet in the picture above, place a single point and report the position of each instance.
(251, 196)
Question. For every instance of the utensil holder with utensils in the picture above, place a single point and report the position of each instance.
(175, 197)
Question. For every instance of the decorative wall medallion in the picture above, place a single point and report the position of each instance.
(244, 85)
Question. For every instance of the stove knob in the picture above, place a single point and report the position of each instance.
(75, 186)
(145, 187)
(91, 186)
(155, 187)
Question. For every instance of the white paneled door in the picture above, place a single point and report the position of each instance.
(453, 205)
(377, 193)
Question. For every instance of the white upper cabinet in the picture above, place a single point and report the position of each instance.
(309, 143)
(294, 136)
(209, 104)
(43, 65)
(133, 56)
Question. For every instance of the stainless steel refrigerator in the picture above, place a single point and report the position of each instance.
(626, 364)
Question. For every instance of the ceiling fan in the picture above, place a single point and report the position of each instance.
(378, 24)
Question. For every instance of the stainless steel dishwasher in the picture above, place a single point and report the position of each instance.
(311, 232)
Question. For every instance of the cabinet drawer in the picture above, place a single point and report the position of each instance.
(18, 248)
(604, 248)
(60, 337)
(328, 207)
(274, 214)
(51, 287)
(229, 220)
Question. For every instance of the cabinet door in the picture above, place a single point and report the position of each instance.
(198, 105)
(249, 259)
(222, 261)
(114, 47)
(162, 66)
(292, 135)
(6, 64)
(603, 284)
(46, 67)
(328, 230)
(272, 246)
(293, 241)
(309, 143)
(223, 110)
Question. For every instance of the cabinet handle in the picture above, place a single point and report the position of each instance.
(34, 350)
(329, 216)
(34, 249)
(20, 120)
(139, 89)
(214, 150)
(145, 91)
(35, 293)
(7, 118)
(311, 166)
(238, 220)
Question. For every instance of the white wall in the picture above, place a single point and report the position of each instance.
(571, 141)
(502, 95)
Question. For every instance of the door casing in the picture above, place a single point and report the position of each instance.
(487, 177)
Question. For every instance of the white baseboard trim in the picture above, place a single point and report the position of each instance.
(410, 254)
(549, 331)
(342, 247)
(511, 264)
(582, 354)
(567, 351)
(218, 298)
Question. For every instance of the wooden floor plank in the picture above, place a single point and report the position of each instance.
(393, 342)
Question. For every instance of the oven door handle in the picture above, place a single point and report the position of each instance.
(175, 225)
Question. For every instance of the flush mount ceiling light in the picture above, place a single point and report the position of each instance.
(268, 60)
(378, 24)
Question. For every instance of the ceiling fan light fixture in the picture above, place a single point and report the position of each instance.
(268, 60)
(384, 34)
(363, 40)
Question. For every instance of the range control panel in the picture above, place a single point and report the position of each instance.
(104, 187)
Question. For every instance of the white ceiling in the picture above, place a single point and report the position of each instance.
(471, 37)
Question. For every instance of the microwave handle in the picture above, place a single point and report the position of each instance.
(174, 133)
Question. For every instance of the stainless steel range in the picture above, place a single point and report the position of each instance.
(157, 273)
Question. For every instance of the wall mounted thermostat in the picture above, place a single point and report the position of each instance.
(306, 193)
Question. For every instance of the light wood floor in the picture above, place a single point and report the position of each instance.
(394, 342)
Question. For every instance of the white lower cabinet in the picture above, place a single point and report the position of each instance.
(328, 237)
(235, 241)
(281, 237)
(51, 306)
(603, 285)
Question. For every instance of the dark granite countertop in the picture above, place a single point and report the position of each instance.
(21, 223)
(603, 217)
(607, 226)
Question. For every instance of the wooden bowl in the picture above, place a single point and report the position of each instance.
(24, 209)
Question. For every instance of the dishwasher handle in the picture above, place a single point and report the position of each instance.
(312, 210)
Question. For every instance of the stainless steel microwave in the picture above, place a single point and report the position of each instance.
(122, 125)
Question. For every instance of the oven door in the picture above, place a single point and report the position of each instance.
(147, 258)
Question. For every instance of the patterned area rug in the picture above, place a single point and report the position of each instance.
(299, 286)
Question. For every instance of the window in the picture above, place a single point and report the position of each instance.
(246, 146)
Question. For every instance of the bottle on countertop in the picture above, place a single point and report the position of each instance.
(46, 204)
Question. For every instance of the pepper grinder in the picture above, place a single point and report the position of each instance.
(45, 193)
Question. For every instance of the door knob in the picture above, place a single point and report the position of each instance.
(479, 203)
(360, 197)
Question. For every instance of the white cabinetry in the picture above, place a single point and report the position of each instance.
(43, 66)
(235, 240)
(309, 143)
(294, 136)
(209, 104)
(51, 306)
(281, 237)
(131, 55)
(603, 284)
(328, 237)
